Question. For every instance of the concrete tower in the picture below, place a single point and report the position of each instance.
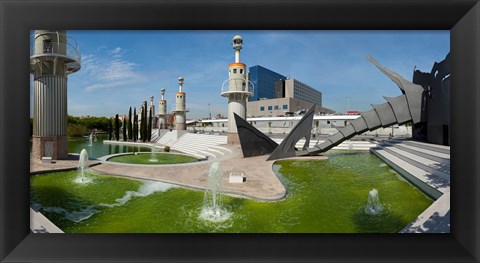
(53, 57)
(239, 89)
(180, 108)
(162, 111)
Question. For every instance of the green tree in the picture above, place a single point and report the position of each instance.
(144, 122)
(135, 125)
(129, 124)
(109, 129)
(117, 128)
(76, 130)
(150, 125)
(124, 128)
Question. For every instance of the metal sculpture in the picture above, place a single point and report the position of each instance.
(300, 131)
(253, 141)
(397, 110)
(410, 106)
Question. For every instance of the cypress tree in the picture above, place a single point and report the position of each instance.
(110, 129)
(117, 128)
(150, 120)
(124, 128)
(144, 122)
(141, 124)
(129, 124)
(135, 125)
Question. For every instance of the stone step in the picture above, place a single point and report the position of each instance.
(433, 167)
(428, 154)
(221, 148)
(428, 146)
(429, 183)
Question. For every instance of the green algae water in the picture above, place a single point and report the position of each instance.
(160, 158)
(327, 196)
(98, 148)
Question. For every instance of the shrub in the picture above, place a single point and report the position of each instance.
(76, 130)
(166, 149)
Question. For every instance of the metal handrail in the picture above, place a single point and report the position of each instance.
(173, 107)
(249, 88)
(71, 49)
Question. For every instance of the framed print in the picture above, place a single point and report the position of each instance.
(114, 38)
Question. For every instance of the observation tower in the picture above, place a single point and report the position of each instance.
(53, 57)
(237, 89)
(162, 111)
(180, 108)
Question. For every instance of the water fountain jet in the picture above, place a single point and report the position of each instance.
(90, 140)
(153, 157)
(374, 207)
(213, 209)
(82, 166)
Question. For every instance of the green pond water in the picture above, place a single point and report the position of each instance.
(322, 197)
(98, 148)
(157, 158)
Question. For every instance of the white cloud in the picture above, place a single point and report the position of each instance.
(108, 72)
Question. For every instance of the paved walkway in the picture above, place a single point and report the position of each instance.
(261, 182)
(37, 166)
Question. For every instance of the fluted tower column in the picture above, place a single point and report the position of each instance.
(53, 57)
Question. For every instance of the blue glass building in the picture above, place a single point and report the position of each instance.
(264, 82)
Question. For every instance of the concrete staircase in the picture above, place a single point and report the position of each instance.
(427, 166)
(199, 145)
(155, 135)
(167, 139)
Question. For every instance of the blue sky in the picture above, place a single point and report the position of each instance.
(123, 68)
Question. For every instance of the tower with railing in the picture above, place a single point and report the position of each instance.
(54, 56)
(162, 111)
(180, 107)
(237, 91)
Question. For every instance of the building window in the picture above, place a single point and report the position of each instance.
(47, 46)
(234, 71)
(285, 106)
(276, 107)
(262, 108)
(241, 71)
(269, 107)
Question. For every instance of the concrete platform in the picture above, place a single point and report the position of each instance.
(37, 166)
(261, 182)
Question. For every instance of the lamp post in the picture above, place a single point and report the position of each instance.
(348, 102)
(209, 112)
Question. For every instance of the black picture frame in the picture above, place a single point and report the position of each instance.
(461, 17)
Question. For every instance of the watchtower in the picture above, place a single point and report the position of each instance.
(53, 57)
(239, 89)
